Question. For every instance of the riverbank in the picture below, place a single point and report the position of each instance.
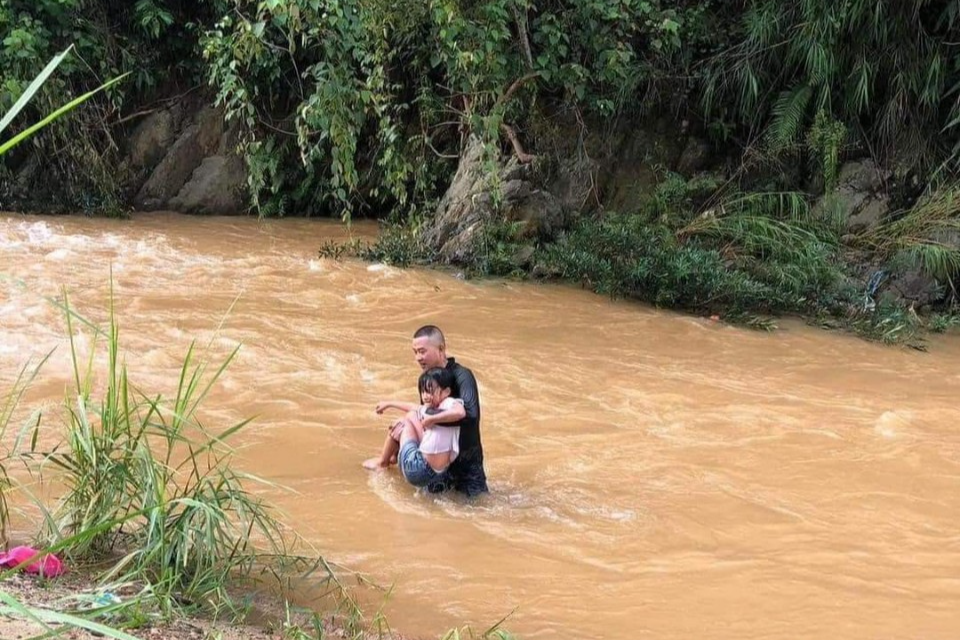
(746, 277)
(61, 594)
(659, 154)
(79, 593)
(158, 530)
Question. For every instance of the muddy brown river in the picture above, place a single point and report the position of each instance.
(652, 474)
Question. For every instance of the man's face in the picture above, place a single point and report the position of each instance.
(428, 354)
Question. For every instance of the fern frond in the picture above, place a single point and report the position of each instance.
(788, 115)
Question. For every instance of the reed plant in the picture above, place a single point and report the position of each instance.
(9, 449)
(151, 501)
(149, 486)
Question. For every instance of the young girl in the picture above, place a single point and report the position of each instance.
(426, 446)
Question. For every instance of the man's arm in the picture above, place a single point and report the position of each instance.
(455, 413)
(468, 392)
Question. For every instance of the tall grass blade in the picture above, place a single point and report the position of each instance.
(56, 115)
(33, 87)
(45, 617)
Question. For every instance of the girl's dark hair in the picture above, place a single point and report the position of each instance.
(436, 378)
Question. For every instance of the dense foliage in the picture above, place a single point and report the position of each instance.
(888, 70)
(350, 105)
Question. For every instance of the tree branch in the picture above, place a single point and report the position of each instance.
(133, 116)
(524, 38)
(519, 82)
(522, 156)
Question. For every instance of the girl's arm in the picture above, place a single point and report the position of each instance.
(383, 405)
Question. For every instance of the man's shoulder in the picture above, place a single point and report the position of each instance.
(455, 367)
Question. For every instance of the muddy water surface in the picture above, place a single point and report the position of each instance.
(652, 475)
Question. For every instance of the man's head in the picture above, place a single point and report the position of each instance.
(429, 347)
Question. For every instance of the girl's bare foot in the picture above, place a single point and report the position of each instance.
(373, 464)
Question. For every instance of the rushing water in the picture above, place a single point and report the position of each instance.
(652, 475)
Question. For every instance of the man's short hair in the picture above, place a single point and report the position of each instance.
(432, 332)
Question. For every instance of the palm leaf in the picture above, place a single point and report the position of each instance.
(861, 92)
(789, 205)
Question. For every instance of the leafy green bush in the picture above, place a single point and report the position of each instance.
(623, 256)
(397, 244)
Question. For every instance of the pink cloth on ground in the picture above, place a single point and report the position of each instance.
(48, 565)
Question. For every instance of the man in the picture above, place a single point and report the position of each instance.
(466, 472)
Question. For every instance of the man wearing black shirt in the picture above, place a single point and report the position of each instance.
(466, 472)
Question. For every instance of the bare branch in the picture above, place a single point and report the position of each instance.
(524, 37)
(522, 156)
(134, 116)
(519, 82)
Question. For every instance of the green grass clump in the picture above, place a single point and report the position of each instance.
(761, 253)
(925, 238)
(944, 322)
(150, 488)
